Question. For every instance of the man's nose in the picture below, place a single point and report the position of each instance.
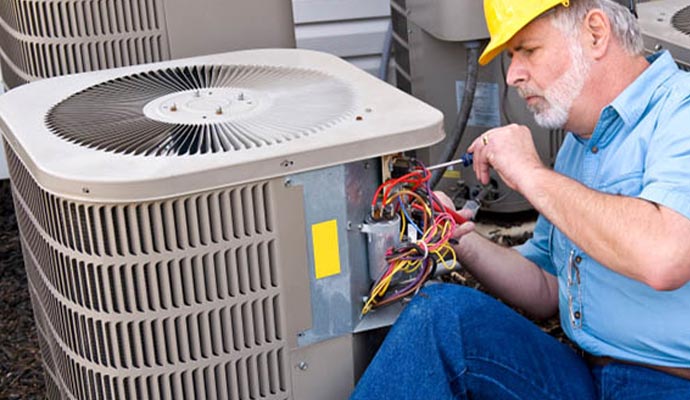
(517, 73)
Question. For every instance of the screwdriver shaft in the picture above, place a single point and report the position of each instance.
(465, 160)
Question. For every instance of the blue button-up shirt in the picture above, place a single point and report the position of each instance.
(639, 148)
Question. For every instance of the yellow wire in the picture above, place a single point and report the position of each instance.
(443, 250)
(379, 289)
(402, 226)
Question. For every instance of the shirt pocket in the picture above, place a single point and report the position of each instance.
(629, 184)
(558, 249)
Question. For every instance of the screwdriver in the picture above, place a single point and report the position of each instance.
(466, 160)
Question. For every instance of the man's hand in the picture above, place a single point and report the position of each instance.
(463, 229)
(510, 151)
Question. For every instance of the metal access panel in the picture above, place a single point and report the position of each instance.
(666, 25)
(434, 70)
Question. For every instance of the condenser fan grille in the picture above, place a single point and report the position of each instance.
(681, 20)
(202, 109)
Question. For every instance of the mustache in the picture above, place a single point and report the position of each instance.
(525, 92)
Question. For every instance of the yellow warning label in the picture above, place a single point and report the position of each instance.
(326, 250)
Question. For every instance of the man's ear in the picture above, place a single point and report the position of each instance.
(596, 29)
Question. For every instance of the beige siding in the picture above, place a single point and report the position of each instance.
(352, 29)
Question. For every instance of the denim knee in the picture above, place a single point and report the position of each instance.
(447, 307)
(452, 298)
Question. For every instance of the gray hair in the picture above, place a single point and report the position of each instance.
(623, 23)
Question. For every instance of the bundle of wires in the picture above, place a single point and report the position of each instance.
(425, 236)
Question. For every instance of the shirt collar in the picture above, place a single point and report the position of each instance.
(632, 101)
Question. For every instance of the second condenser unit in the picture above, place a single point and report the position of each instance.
(666, 25)
(46, 38)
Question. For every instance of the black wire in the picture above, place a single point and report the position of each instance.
(463, 115)
(504, 99)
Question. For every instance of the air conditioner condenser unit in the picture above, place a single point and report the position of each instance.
(47, 38)
(665, 24)
(190, 228)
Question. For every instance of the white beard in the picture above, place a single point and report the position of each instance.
(558, 99)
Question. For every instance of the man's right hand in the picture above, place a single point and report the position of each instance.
(510, 151)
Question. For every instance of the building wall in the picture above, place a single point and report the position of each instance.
(351, 29)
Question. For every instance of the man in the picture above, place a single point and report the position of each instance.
(610, 251)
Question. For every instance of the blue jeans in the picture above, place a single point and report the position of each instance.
(454, 342)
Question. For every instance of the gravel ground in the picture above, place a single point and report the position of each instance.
(21, 373)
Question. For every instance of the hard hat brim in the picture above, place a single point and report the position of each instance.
(491, 51)
(499, 42)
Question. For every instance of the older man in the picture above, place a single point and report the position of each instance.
(610, 251)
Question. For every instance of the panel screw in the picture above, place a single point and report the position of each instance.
(303, 365)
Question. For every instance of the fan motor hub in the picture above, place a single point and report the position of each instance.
(205, 105)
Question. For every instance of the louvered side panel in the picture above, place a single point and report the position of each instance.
(178, 298)
(46, 38)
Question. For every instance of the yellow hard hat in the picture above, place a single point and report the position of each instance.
(505, 18)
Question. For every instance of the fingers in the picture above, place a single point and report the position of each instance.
(482, 169)
(463, 230)
(444, 199)
(481, 148)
